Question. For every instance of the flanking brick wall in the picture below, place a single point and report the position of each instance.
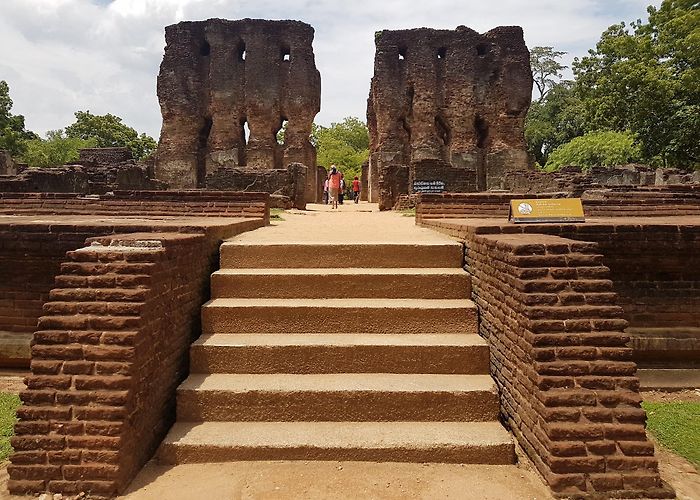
(655, 268)
(568, 389)
(106, 360)
(141, 203)
(641, 202)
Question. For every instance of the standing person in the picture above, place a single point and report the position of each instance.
(325, 192)
(333, 186)
(356, 188)
(341, 191)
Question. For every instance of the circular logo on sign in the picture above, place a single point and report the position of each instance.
(525, 208)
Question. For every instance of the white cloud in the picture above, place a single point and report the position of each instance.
(60, 56)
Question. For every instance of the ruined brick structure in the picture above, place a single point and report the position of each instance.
(219, 78)
(97, 171)
(451, 105)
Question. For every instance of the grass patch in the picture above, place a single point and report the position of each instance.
(8, 409)
(409, 212)
(276, 214)
(677, 427)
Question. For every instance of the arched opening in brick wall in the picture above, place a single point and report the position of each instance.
(442, 129)
(481, 127)
(203, 150)
(482, 49)
(205, 49)
(286, 53)
(241, 51)
(481, 130)
(402, 53)
(243, 141)
(280, 134)
(442, 53)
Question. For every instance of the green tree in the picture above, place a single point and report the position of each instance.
(345, 144)
(545, 65)
(646, 78)
(109, 131)
(553, 121)
(603, 148)
(56, 149)
(13, 133)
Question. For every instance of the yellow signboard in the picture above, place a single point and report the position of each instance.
(546, 210)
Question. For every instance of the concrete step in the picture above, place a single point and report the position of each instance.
(428, 283)
(453, 442)
(668, 379)
(236, 254)
(343, 352)
(339, 316)
(337, 397)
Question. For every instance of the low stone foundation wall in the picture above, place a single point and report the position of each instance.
(561, 362)
(108, 355)
(599, 202)
(654, 265)
(194, 203)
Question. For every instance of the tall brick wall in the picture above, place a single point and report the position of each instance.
(560, 359)
(109, 353)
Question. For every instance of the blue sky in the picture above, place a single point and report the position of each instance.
(60, 56)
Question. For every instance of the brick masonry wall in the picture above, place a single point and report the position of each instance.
(109, 353)
(560, 359)
(611, 202)
(140, 203)
(31, 254)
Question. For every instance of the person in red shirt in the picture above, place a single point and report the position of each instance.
(334, 186)
(356, 188)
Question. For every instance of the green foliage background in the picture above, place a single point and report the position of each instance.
(344, 144)
(641, 79)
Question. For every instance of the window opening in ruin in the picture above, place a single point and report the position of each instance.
(442, 52)
(202, 150)
(205, 49)
(246, 131)
(442, 130)
(402, 53)
(482, 49)
(241, 51)
(482, 131)
(286, 53)
(407, 128)
(279, 136)
(410, 93)
(243, 141)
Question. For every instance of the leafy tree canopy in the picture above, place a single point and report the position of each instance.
(56, 149)
(345, 144)
(13, 133)
(605, 148)
(553, 121)
(646, 78)
(109, 131)
(545, 65)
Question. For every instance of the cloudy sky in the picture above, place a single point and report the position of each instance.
(60, 56)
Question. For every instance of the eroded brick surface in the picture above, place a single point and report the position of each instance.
(449, 104)
(219, 77)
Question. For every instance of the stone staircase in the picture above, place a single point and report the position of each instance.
(339, 352)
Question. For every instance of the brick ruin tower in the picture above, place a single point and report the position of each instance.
(225, 89)
(449, 106)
